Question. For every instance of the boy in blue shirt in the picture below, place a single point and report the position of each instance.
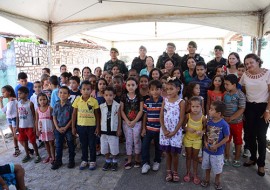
(22, 77)
(151, 126)
(216, 136)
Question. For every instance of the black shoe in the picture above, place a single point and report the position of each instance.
(106, 166)
(41, 144)
(114, 166)
(249, 163)
(71, 164)
(260, 173)
(56, 165)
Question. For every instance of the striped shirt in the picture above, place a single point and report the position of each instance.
(152, 109)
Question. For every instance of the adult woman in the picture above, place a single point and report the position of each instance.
(149, 66)
(86, 73)
(256, 84)
(190, 73)
(169, 65)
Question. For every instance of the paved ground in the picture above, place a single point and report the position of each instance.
(41, 177)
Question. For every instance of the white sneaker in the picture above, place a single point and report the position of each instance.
(145, 168)
(155, 166)
(246, 153)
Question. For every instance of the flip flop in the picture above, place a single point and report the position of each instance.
(196, 181)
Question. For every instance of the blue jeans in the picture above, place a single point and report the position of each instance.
(88, 140)
(146, 147)
(59, 140)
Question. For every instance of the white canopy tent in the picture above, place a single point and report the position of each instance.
(55, 20)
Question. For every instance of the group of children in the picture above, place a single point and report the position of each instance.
(166, 109)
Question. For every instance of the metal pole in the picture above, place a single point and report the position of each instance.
(49, 44)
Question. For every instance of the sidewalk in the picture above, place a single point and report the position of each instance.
(41, 177)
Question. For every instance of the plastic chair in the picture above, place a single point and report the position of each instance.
(3, 138)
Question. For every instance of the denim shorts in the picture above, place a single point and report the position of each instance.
(11, 122)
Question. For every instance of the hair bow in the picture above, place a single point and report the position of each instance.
(171, 78)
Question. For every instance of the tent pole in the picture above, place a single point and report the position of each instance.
(260, 32)
(49, 44)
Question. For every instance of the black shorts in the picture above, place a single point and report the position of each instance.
(5, 169)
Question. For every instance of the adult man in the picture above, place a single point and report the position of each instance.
(218, 60)
(169, 54)
(114, 61)
(192, 47)
(138, 63)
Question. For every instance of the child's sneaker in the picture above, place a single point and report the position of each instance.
(26, 159)
(226, 162)
(114, 166)
(155, 166)
(92, 165)
(146, 167)
(83, 165)
(246, 153)
(137, 164)
(128, 165)
(106, 166)
(236, 163)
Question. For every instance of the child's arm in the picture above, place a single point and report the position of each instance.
(200, 133)
(119, 130)
(123, 113)
(51, 111)
(144, 124)
(208, 104)
(36, 124)
(56, 124)
(139, 115)
(3, 184)
(74, 119)
(33, 113)
(97, 116)
(237, 114)
(1, 102)
(17, 118)
(185, 123)
(182, 118)
(215, 147)
(165, 131)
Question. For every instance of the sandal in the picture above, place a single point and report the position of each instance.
(218, 186)
(17, 152)
(26, 159)
(169, 176)
(236, 163)
(196, 180)
(46, 160)
(175, 177)
(187, 177)
(205, 183)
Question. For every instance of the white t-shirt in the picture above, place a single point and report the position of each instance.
(10, 109)
(256, 86)
(33, 99)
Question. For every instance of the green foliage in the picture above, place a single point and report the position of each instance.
(29, 40)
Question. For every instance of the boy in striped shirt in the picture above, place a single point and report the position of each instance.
(151, 126)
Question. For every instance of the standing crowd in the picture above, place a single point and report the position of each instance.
(182, 106)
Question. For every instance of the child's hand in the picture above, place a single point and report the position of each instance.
(143, 133)
(228, 119)
(119, 132)
(171, 134)
(166, 132)
(61, 130)
(132, 124)
(1, 98)
(191, 130)
(74, 132)
(199, 133)
(97, 131)
(213, 148)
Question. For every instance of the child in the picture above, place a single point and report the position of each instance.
(98, 72)
(93, 82)
(155, 74)
(65, 79)
(149, 66)
(100, 87)
(77, 72)
(163, 81)
(202, 80)
(115, 70)
(46, 87)
(110, 129)
(216, 91)
(177, 72)
(62, 114)
(108, 77)
(217, 134)
(22, 77)
(37, 89)
(195, 129)
(118, 86)
(220, 70)
(44, 126)
(240, 70)
(86, 73)
(54, 88)
(151, 126)
(171, 119)
(131, 112)
(25, 123)
(190, 73)
(235, 101)
(10, 110)
(74, 83)
(144, 90)
(87, 114)
(133, 73)
(193, 89)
